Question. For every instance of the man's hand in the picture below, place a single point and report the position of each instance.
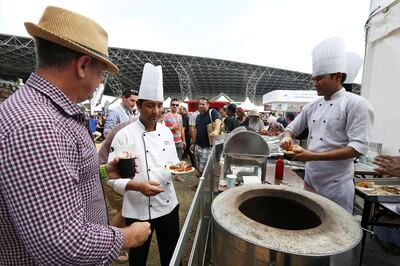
(304, 156)
(388, 165)
(150, 188)
(136, 234)
(112, 168)
(184, 145)
(286, 143)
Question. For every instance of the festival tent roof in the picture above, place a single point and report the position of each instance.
(289, 100)
(247, 105)
(222, 97)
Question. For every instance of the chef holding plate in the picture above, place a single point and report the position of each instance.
(150, 195)
(339, 124)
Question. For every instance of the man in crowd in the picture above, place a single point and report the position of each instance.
(185, 123)
(281, 120)
(255, 123)
(173, 121)
(201, 142)
(339, 124)
(241, 117)
(123, 112)
(52, 205)
(290, 117)
(231, 122)
(93, 128)
(150, 195)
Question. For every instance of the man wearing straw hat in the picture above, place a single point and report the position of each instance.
(150, 195)
(52, 205)
(339, 124)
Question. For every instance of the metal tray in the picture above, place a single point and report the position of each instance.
(379, 198)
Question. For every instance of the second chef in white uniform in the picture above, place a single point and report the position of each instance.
(150, 195)
(339, 124)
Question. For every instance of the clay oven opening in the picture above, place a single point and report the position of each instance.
(280, 213)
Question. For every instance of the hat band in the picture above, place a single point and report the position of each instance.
(93, 50)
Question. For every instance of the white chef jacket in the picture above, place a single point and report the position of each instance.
(155, 149)
(344, 120)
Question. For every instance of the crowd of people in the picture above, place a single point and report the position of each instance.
(54, 184)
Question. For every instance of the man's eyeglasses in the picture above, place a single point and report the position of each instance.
(174, 104)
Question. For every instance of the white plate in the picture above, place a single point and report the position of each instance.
(178, 173)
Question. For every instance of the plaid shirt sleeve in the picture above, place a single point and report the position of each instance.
(42, 187)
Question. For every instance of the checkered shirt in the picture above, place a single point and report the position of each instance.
(52, 208)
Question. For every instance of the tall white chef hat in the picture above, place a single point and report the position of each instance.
(151, 87)
(329, 57)
(354, 63)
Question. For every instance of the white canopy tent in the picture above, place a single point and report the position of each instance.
(248, 105)
(381, 74)
(289, 100)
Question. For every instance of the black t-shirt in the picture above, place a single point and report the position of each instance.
(230, 123)
(202, 120)
(185, 123)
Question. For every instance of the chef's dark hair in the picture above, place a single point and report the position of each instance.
(344, 75)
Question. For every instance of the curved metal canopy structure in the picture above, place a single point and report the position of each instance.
(184, 76)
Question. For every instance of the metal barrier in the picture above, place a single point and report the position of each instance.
(201, 204)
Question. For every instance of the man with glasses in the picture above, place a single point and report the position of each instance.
(339, 124)
(173, 120)
(123, 112)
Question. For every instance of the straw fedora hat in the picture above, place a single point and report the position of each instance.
(253, 113)
(74, 31)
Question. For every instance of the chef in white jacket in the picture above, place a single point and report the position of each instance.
(339, 124)
(150, 195)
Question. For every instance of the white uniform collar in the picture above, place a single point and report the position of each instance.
(142, 127)
(338, 94)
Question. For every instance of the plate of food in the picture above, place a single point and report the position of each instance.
(372, 188)
(292, 150)
(180, 168)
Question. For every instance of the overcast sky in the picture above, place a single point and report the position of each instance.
(278, 33)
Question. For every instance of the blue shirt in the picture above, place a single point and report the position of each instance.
(117, 115)
(202, 120)
(92, 124)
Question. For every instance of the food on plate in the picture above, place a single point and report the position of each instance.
(391, 189)
(180, 167)
(365, 184)
(297, 148)
(293, 149)
(371, 188)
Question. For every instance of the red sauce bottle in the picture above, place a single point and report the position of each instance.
(279, 166)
